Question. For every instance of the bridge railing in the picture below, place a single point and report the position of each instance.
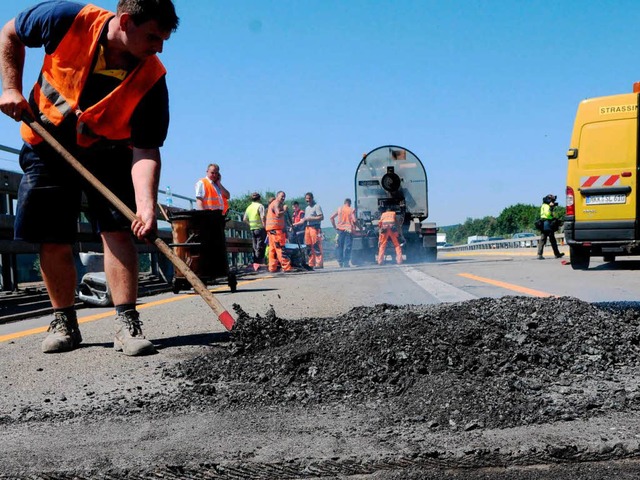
(526, 242)
(238, 238)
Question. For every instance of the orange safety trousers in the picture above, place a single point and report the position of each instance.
(313, 241)
(277, 241)
(385, 235)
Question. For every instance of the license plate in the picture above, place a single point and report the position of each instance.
(606, 199)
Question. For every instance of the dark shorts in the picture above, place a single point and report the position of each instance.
(50, 194)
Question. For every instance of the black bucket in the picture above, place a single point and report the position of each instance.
(199, 240)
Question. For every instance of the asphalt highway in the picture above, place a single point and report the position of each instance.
(183, 326)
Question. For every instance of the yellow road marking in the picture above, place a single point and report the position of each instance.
(99, 316)
(508, 286)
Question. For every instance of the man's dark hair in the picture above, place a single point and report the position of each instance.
(162, 11)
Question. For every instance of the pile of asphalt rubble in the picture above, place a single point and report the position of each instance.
(486, 363)
(479, 364)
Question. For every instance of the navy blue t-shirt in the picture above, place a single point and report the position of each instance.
(45, 24)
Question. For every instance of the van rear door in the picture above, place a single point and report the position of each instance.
(604, 176)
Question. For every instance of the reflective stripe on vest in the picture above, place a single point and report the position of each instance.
(388, 219)
(344, 218)
(253, 215)
(56, 94)
(211, 199)
(273, 221)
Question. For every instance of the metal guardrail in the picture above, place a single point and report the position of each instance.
(239, 243)
(527, 242)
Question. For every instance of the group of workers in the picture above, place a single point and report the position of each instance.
(273, 227)
(102, 94)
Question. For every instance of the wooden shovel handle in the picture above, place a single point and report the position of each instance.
(223, 315)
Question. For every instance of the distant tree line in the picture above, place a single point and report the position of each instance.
(514, 219)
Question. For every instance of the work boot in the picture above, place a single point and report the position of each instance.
(129, 338)
(64, 334)
(560, 255)
(540, 257)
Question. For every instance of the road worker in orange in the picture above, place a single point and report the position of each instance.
(102, 94)
(390, 227)
(210, 193)
(277, 234)
(313, 217)
(345, 225)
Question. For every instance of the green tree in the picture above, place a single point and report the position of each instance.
(513, 219)
(517, 218)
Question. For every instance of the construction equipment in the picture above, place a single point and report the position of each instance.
(199, 240)
(602, 209)
(392, 177)
(298, 257)
(223, 315)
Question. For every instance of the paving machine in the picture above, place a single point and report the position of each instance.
(392, 176)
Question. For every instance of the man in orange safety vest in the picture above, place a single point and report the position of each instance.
(210, 193)
(390, 226)
(345, 225)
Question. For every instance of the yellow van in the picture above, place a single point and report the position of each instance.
(602, 180)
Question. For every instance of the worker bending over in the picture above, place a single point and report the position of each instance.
(102, 94)
(389, 226)
(277, 234)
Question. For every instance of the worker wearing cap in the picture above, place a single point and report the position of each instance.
(346, 223)
(210, 193)
(254, 215)
(549, 225)
(313, 217)
(277, 233)
(389, 226)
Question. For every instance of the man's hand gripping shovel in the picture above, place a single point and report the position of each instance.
(223, 315)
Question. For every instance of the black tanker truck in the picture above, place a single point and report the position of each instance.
(392, 176)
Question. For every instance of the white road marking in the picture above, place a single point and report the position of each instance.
(441, 290)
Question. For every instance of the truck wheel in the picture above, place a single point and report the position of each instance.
(432, 255)
(579, 258)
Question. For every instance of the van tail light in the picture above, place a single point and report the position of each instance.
(570, 208)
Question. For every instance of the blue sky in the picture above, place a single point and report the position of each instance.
(288, 95)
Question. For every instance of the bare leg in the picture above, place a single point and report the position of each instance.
(121, 266)
(59, 273)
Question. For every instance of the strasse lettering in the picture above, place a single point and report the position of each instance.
(618, 109)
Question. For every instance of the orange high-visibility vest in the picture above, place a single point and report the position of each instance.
(211, 199)
(345, 218)
(388, 219)
(64, 74)
(273, 221)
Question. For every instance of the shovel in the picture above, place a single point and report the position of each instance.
(223, 315)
